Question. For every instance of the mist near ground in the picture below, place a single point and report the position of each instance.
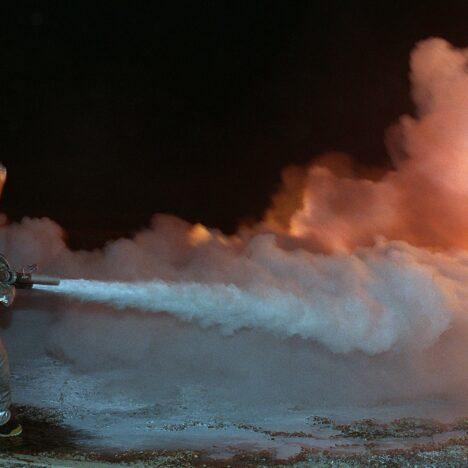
(353, 288)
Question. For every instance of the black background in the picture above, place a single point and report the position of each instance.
(113, 110)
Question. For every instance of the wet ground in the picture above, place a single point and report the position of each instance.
(96, 418)
(47, 441)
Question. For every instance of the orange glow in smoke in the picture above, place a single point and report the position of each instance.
(199, 235)
(424, 201)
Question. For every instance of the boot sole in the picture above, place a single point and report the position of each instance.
(15, 432)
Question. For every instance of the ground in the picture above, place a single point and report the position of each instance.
(74, 417)
(402, 442)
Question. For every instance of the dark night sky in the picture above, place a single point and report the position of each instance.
(114, 110)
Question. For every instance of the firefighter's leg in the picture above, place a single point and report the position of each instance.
(5, 393)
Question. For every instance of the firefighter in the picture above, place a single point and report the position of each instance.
(9, 426)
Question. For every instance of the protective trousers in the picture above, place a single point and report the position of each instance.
(5, 392)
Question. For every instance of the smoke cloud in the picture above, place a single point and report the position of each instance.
(424, 201)
(350, 287)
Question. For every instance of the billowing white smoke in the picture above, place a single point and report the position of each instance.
(372, 300)
(348, 281)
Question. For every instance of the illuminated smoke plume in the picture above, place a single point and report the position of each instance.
(424, 201)
(357, 280)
